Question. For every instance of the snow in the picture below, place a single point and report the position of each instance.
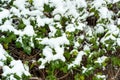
(56, 44)
(71, 9)
(110, 37)
(20, 4)
(101, 76)
(60, 7)
(6, 70)
(98, 3)
(48, 53)
(60, 51)
(118, 41)
(77, 60)
(28, 30)
(86, 69)
(113, 29)
(53, 31)
(4, 14)
(53, 42)
(114, 1)
(48, 20)
(38, 4)
(89, 31)
(68, 7)
(80, 26)
(1, 63)
(35, 13)
(86, 48)
(74, 51)
(76, 44)
(15, 11)
(17, 67)
(99, 29)
(7, 28)
(12, 77)
(70, 28)
(81, 3)
(118, 21)
(104, 12)
(57, 17)
(26, 21)
(40, 22)
(100, 60)
(82, 37)
(2, 54)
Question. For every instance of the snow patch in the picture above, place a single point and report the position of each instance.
(77, 60)
(4, 14)
(17, 67)
(100, 60)
(70, 28)
(57, 45)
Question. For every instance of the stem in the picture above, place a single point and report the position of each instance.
(63, 76)
(116, 74)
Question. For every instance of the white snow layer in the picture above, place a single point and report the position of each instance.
(28, 30)
(2, 54)
(56, 44)
(99, 29)
(70, 28)
(4, 14)
(104, 12)
(62, 8)
(101, 77)
(118, 41)
(100, 60)
(98, 3)
(114, 1)
(20, 4)
(17, 67)
(77, 60)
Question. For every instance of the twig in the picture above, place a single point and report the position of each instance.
(56, 73)
(63, 76)
(43, 74)
(116, 74)
(35, 78)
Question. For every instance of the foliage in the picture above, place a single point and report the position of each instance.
(59, 35)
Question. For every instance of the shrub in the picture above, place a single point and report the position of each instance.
(70, 35)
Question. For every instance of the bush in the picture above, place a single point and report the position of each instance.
(61, 37)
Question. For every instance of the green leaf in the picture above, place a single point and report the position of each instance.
(5, 45)
(27, 49)
(17, 77)
(24, 77)
(67, 55)
(115, 61)
(8, 61)
(21, 25)
(18, 45)
(79, 77)
(63, 21)
(48, 8)
(58, 33)
(50, 77)
(30, 1)
(109, 41)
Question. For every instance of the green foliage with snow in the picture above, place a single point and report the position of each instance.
(79, 36)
